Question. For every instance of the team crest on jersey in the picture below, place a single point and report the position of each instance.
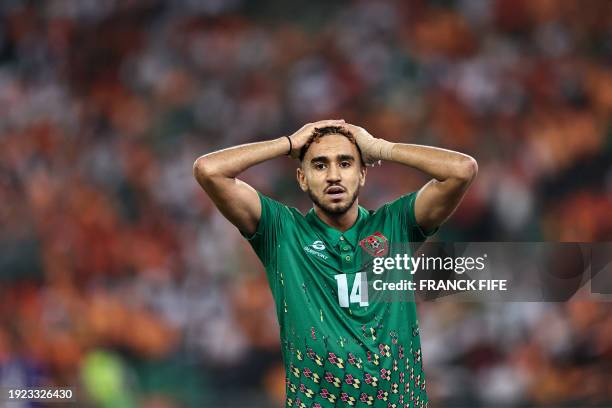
(375, 245)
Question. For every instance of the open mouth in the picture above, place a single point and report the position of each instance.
(335, 192)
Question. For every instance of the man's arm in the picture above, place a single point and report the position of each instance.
(452, 174)
(216, 172)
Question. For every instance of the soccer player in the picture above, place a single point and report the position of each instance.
(339, 346)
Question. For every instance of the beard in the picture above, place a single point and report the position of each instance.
(334, 210)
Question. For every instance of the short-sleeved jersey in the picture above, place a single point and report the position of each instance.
(339, 347)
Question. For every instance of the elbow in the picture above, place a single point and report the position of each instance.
(204, 170)
(467, 169)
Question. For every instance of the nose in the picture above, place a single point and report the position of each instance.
(333, 174)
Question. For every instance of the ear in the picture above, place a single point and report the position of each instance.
(301, 179)
(362, 175)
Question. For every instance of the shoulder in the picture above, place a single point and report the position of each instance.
(275, 220)
(277, 210)
(403, 205)
(400, 213)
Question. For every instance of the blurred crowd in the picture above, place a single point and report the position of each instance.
(118, 276)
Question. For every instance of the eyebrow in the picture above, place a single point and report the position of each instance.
(346, 157)
(325, 159)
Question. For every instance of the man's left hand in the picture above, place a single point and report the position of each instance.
(373, 150)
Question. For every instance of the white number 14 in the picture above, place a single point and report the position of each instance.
(359, 292)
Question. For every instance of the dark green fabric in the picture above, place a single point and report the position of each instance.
(365, 353)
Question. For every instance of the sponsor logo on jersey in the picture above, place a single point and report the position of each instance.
(375, 245)
(314, 249)
(318, 245)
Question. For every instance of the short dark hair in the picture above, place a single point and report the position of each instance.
(328, 130)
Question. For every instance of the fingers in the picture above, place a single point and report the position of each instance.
(354, 128)
(329, 122)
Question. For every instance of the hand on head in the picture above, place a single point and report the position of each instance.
(303, 135)
(373, 150)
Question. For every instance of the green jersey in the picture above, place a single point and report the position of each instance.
(341, 347)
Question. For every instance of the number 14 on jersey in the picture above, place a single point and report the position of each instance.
(359, 291)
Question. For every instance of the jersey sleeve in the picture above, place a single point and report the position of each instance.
(402, 213)
(269, 229)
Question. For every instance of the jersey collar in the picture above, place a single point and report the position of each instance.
(332, 235)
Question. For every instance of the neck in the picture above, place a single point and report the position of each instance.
(340, 222)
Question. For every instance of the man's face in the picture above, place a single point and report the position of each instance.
(331, 173)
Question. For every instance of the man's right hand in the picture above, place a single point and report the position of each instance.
(217, 173)
(303, 135)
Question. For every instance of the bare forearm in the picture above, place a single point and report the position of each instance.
(217, 173)
(230, 162)
(452, 174)
(440, 164)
